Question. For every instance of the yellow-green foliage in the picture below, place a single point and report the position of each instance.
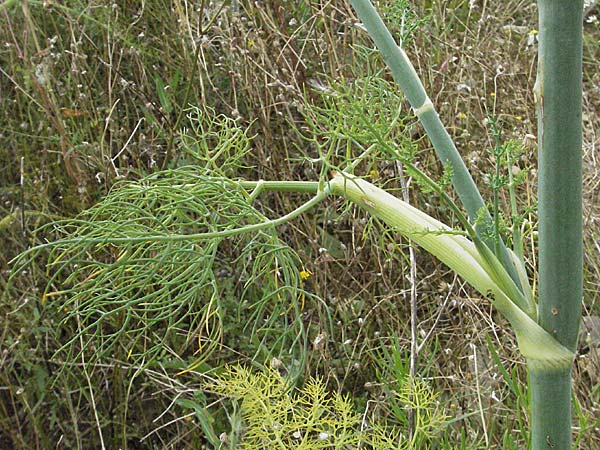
(310, 418)
(274, 416)
(417, 396)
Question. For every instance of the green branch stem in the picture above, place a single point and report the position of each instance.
(307, 187)
(112, 237)
(406, 76)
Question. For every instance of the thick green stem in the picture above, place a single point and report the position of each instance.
(408, 80)
(558, 96)
(550, 400)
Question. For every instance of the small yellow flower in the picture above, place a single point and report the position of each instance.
(373, 174)
(462, 116)
(533, 32)
(492, 94)
(305, 274)
(519, 118)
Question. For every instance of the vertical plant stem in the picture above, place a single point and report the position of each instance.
(414, 319)
(496, 186)
(22, 197)
(479, 402)
(516, 218)
(558, 95)
(84, 366)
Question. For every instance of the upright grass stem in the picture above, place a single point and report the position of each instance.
(558, 96)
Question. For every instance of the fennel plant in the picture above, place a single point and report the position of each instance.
(145, 257)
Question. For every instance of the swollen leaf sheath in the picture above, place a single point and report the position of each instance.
(465, 258)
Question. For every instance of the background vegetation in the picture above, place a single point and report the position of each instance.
(92, 93)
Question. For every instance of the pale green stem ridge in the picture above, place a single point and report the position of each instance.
(463, 256)
(405, 75)
(522, 274)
